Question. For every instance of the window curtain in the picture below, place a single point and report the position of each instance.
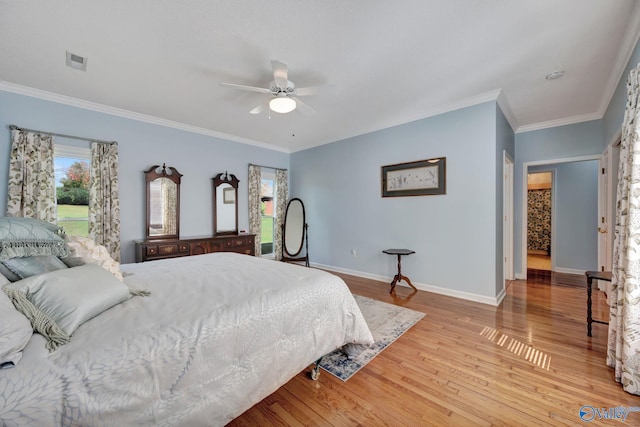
(624, 301)
(282, 195)
(104, 203)
(31, 187)
(255, 216)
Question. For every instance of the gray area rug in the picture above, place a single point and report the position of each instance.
(387, 323)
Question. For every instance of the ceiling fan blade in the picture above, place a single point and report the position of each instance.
(280, 73)
(258, 109)
(304, 108)
(249, 88)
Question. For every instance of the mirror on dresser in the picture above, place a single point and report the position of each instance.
(225, 204)
(163, 213)
(163, 202)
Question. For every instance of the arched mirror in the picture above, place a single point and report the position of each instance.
(163, 202)
(294, 233)
(225, 204)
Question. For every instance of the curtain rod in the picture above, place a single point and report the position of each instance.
(62, 135)
(268, 167)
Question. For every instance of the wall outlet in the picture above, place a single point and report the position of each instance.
(354, 253)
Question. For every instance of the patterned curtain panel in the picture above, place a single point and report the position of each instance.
(282, 195)
(104, 202)
(624, 301)
(255, 216)
(31, 186)
(539, 220)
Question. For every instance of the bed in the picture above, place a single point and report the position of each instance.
(218, 333)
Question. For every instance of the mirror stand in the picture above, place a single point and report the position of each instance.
(295, 233)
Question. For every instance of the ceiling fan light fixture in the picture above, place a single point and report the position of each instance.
(282, 104)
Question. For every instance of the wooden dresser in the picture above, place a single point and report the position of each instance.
(148, 250)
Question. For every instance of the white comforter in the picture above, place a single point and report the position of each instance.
(218, 334)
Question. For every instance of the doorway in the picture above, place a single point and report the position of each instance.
(573, 231)
(539, 224)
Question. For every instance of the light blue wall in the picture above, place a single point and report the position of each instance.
(581, 139)
(141, 145)
(505, 142)
(575, 214)
(454, 235)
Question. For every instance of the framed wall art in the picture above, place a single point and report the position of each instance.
(421, 178)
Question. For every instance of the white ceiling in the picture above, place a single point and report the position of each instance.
(391, 61)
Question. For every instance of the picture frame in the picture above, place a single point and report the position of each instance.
(419, 178)
(229, 196)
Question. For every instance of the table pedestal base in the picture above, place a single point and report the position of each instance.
(398, 278)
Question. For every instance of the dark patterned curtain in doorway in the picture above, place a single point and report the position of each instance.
(539, 221)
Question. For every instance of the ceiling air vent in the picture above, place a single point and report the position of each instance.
(76, 61)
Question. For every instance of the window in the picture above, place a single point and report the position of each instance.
(267, 208)
(72, 165)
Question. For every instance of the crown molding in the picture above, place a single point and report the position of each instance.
(506, 110)
(119, 112)
(629, 42)
(560, 122)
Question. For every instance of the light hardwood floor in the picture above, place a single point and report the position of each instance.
(539, 262)
(528, 362)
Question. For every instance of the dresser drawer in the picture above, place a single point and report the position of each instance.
(161, 249)
(239, 241)
(168, 249)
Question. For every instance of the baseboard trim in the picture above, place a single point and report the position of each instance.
(421, 286)
(501, 295)
(520, 276)
(569, 271)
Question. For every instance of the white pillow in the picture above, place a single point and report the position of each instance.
(15, 330)
(72, 296)
(85, 251)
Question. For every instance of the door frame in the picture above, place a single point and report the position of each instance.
(605, 208)
(607, 189)
(524, 219)
(507, 211)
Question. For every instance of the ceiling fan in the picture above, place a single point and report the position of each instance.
(283, 91)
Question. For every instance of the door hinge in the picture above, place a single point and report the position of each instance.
(602, 171)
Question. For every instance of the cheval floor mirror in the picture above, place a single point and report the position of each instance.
(295, 233)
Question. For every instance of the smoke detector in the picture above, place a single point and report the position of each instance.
(555, 75)
(76, 61)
